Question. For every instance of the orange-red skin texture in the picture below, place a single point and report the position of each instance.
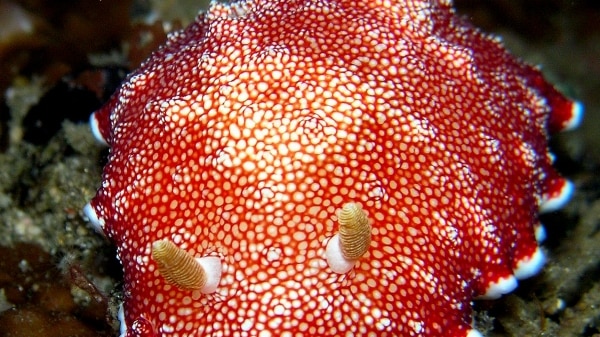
(247, 131)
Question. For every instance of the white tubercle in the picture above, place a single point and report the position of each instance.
(529, 267)
(213, 268)
(122, 324)
(540, 233)
(335, 258)
(95, 127)
(560, 200)
(576, 116)
(474, 333)
(92, 217)
(501, 287)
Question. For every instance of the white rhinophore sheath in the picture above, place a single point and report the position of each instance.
(335, 258)
(213, 268)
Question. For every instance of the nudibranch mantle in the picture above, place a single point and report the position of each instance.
(267, 129)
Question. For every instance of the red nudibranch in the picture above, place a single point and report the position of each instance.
(323, 167)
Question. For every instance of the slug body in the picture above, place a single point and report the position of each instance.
(240, 141)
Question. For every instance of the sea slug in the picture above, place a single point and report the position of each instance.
(326, 168)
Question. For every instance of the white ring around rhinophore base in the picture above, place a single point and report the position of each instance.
(335, 258)
(212, 267)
